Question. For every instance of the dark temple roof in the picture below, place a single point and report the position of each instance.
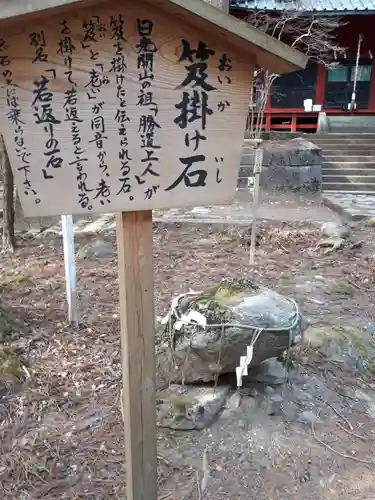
(330, 6)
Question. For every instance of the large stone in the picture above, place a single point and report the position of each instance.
(297, 179)
(288, 165)
(291, 153)
(234, 312)
(353, 348)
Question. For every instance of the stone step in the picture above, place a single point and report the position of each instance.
(247, 159)
(244, 182)
(348, 164)
(246, 171)
(327, 169)
(339, 140)
(340, 168)
(346, 144)
(349, 179)
(247, 150)
(353, 151)
(334, 149)
(362, 172)
(340, 134)
(349, 158)
(348, 188)
(340, 137)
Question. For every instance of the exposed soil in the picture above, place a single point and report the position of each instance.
(61, 433)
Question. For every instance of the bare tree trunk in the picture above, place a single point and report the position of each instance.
(220, 4)
(253, 103)
(8, 239)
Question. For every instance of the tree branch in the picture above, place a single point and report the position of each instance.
(313, 34)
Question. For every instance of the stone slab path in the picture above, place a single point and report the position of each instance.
(278, 208)
(352, 206)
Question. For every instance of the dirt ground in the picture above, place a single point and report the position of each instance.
(61, 434)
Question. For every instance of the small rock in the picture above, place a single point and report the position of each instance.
(338, 229)
(234, 401)
(243, 424)
(306, 477)
(307, 417)
(270, 372)
(268, 391)
(206, 242)
(370, 327)
(245, 238)
(96, 250)
(315, 337)
(276, 398)
(331, 243)
(189, 408)
(32, 233)
(356, 245)
(254, 393)
(200, 210)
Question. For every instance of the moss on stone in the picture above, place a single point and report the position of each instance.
(11, 327)
(343, 341)
(10, 365)
(13, 280)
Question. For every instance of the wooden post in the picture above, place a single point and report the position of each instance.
(70, 268)
(256, 199)
(135, 262)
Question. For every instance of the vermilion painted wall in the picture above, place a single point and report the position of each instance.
(347, 37)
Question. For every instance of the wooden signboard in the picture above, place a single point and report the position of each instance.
(121, 109)
(127, 106)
